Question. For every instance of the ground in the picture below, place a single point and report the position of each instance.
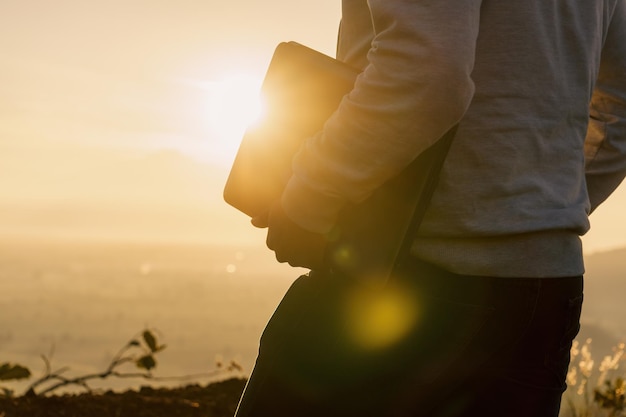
(214, 400)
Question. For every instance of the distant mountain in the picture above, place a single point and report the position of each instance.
(102, 174)
(111, 193)
(604, 309)
(610, 266)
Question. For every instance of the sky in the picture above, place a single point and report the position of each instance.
(129, 104)
(138, 73)
(100, 99)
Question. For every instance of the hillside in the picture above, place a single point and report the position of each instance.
(605, 300)
(214, 400)
(208, 305)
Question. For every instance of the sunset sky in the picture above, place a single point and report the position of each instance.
(84, 84)
(138, 73)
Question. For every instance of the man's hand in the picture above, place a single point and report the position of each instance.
(291, 243)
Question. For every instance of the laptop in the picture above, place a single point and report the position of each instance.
(301, 89)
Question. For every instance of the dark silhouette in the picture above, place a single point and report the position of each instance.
(478, 317)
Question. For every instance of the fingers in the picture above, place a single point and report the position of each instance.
(293, 244)
(261, 221)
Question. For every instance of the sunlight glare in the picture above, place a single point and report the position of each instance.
(234, 104)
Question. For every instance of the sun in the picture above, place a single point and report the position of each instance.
(234, 103)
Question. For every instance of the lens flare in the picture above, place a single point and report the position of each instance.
(380, 316)
(345, 257)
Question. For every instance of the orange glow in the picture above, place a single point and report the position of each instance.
(234, 104)
(91, 99)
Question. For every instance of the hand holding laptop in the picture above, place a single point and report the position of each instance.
(303, 88)
(290, 242)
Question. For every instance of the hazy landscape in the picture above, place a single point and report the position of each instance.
(97, 248)
(84, 300)
(106, 193)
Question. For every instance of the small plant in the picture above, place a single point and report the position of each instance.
(140, 351)
(595, 391)
(612, 398)
(8, 372)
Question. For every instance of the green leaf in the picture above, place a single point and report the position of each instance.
(7, 393)
(9, 371)
(150, 340)
(146, 362)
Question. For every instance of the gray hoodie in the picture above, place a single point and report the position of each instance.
(539, 89)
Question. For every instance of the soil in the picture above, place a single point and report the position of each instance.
(217, 399)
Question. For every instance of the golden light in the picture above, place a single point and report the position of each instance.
(234, 104)
(380, 316)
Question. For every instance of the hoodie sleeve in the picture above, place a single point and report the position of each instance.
(415, 86)
(605, 144)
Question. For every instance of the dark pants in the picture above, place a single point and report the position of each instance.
(471, 346)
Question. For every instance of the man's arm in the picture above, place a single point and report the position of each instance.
(605, 144)
(416, 86)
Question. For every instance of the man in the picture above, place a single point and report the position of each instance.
(538, 88)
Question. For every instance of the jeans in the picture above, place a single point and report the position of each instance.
(516, 364)
(475, 346)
